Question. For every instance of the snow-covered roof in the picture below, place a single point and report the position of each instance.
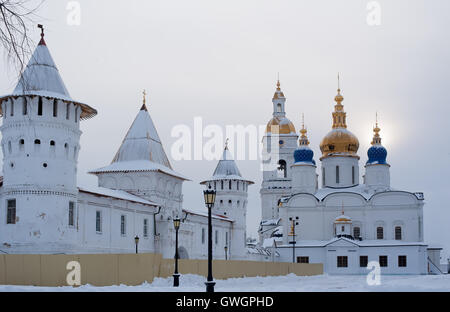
(41, 78)
(227, 169)
(363, 243)
(270, 222)
(205, 214)
(141, 150)
(118, 194)
(137, 166)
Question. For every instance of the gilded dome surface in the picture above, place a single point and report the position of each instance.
(339, 141)
(281, 125)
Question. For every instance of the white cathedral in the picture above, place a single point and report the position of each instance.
(139, 194)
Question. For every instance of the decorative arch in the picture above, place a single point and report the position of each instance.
(183, 253)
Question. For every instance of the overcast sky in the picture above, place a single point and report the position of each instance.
(219, 60)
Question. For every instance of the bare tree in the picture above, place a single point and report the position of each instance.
(16, 16)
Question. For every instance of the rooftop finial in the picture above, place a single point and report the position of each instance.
(339, 83)
(376, 130)
(42, 42)
(226, 143)
(144, 107)
(342, 208)
(303, 138)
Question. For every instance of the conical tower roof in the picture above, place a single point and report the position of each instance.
(141, 149)
(41, 78)
(227, 169)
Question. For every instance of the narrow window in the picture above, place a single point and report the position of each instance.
(145, 227)
(237, 185)
(342, 261)
(122, 225)
(279, 108)
(343, 228)
(398, 233)
(215, 185)
(363, 261)
(380, 232)
(12, 108)
(229, 186)
(66, 148)
(221, 185)
(9, 147)
(302, 259)
(282, 168)
(402, 261)
(98, 221)
(40, 106)
(11, 212)
(226, 239)
(356, 232)
(323, 176)
(71, 213)
(68, 111)
(353, 175)
(21, 144)
(24, 106)
(55, 108)
(217, 237)
(337, 174)
(383, 261)
(76, 114)
(52, 143)
(203, 235)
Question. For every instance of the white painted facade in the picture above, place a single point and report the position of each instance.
(381, 221)
(138, 194)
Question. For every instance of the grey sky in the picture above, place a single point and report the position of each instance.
(219, 60)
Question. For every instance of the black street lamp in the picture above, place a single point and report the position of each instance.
(176, 275)
(294, 222)
(226, 252)
(136, 241)
(210, 198)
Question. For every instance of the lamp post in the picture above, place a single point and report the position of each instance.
(226, 252)
(136, 241)
(294, 222)
(176, 275)
(210, 198)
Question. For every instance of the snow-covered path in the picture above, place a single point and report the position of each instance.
(289, 283)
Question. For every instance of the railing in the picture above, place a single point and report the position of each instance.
(434, 265)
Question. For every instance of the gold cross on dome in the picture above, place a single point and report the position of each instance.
(144, 94)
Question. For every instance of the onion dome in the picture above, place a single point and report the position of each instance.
(377, 153)
(303, 154)
(339, 141)
(279, 124)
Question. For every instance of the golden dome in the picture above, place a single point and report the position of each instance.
(281, 125)
(339, 141)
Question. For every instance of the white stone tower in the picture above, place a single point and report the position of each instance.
(40, 142)
(377, 169)
(339, 148)
(231, 201)
(279, 144)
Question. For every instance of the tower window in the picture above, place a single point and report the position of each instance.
(71, 213)
(12, 107)
(279, 108)
(217, 237)
(363, 261)
(37, 141)
(337, 174)
(229, 184)
(55, 108)
(52, 143)
(383, 261)
(11, 212)
(398, 233)
(122, 225)
(380, 232)
(353, 174)
(22, 142)
(40, 106)
(356, 232)
(221, 185)
(323, 176)
(203, 235)
(25, 106)
(98, 221)
(76, 114)
(68, 111)
(145, 227)
(282, 168)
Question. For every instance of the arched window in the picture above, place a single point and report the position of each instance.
(337, 174)
(356, 232)
(380, 232)
(52, 143)
(221, 185)
(68, 111)
(9, 147)
(282, 168)
(279, 108)
(398, 233)
(21, 144)
(37, 141)
(66, 148)
(12, 107)
(237, 183)
(40, 106)
(229, 186)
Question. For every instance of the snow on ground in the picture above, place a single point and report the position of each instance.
(288, 283)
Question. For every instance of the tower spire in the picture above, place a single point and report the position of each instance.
(376, 130)
(303, 138)
(42, 41)
(144, 107)
(339, 116)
